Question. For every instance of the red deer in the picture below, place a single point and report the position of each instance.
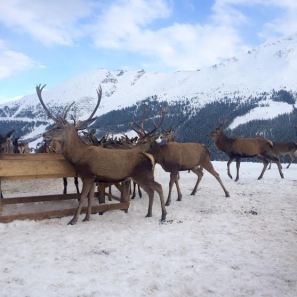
(237, 148)
(94, 163)
(55, 147)
(280, 149)
(174, 157)
(124, 143)
(23, 148)
(6, 146)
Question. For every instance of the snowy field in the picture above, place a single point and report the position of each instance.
(245, 245)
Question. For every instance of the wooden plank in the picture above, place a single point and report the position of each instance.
(18, 168)
(32, 199)
(35, 157)
(32, 177)
(34, 166)
(61, 213)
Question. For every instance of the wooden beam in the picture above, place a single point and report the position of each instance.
(61, 213)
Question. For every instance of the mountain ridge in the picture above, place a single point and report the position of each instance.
(261, 71)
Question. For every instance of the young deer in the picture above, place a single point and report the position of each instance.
(94, 163)
(237, 148)
(280, 149)
(174, 157)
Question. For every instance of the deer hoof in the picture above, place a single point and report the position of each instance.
(179, 199)
(72, 222)
(86, 219)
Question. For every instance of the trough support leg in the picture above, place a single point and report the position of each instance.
(125, 192)
(1, 199)
(101, 195)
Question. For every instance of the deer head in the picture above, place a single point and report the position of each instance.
(6, 146)
(217, 130)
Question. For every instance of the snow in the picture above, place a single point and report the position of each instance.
(210, 245)
(268, 67)
(275, 109)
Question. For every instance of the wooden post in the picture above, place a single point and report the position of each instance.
(1, 199)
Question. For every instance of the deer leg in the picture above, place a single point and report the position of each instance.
(228, 166)
(65, 185)
(87, 184)
(76, 184)
(269, 165)
(291, 160)
(207, 165)
(237, 168)
(173, 179)
(90, 202)
(139, 191)
(149, 186)
(199, 173)
(265, 164)
(179, 194)
(134, 187)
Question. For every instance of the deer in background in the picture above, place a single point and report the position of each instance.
(6, 146)
(23, 148)
(94, 163)
(174, 157)
(237, 148)
(282, 149)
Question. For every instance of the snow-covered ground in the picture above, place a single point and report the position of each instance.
(245, 245)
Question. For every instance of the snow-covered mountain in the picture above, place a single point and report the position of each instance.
(272, 66)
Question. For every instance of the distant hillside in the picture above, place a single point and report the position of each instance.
(256, 91)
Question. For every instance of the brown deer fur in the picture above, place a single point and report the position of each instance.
(281, 149)
(237, 148)
(174, 157)
(94, 163)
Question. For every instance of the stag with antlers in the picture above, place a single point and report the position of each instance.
(174, 157)
(94, 163)
(237, 148)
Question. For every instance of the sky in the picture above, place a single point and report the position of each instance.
(52, 41)
(209, 246)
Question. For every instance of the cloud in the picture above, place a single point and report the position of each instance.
(12, 62)
(49, 22)
(180, 46)
(130, 26)
(146, 28)
(282, 23)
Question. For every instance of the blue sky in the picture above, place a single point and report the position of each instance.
(50, 42)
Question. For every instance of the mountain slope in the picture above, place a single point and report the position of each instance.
(256, 73)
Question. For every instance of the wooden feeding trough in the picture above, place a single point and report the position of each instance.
(49, 166)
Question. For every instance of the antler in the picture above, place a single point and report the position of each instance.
(222, 123)
(81, 124)
(49, 114)
(141, 132)
(164, 112)
(66, 110)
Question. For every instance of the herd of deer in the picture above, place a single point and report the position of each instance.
(117, 161)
